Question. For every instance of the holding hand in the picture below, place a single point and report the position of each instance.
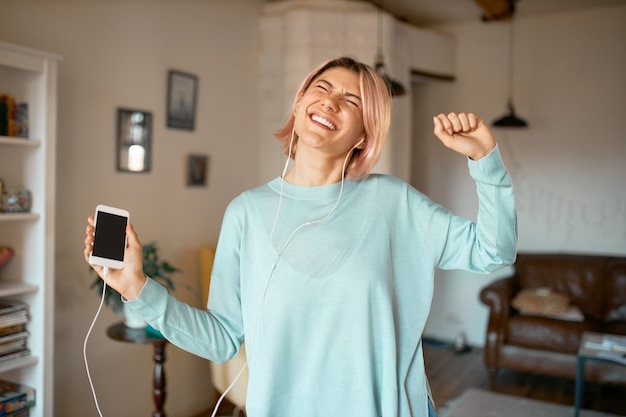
(129, 280)
(465, 133)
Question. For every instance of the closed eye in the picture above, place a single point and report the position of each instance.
(323, 88)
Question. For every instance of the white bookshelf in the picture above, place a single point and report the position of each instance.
(30, 76)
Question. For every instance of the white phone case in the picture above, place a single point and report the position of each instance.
(112, 244)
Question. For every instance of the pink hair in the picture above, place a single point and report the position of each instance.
(376, 115)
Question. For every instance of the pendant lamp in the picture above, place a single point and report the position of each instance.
(395, 87)
(510, 119)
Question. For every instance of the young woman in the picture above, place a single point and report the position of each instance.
(327, 271)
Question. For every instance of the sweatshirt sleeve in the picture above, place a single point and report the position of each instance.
(490, 243)
(194, 330)
(215, 334)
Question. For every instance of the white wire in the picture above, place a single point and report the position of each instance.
(276, 259)
(93, 391)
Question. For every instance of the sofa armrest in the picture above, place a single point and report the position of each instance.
(497, 296)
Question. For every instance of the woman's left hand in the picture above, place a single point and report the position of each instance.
(465, 133)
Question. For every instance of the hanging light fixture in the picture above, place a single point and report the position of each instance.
(510, 119)
(395, 87)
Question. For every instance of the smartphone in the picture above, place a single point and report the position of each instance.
(109, 242)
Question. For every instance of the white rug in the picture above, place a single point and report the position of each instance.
(479, 403)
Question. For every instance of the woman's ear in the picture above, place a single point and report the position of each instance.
(295, 108)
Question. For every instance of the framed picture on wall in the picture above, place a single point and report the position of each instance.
(181, 100)
(134, 140)
(197, 170)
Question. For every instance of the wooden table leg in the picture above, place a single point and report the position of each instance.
(159, 379)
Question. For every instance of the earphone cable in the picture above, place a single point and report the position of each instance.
(93, 391)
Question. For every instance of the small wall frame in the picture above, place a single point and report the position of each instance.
(134, 140)
(197, 170)
(181, 100)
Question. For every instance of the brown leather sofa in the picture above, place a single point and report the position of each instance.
(544, 345)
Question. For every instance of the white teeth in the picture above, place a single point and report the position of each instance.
(323, 121)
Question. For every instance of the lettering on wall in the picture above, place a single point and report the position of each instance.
(579, 209)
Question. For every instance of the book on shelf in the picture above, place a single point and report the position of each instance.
(15, 318)
(12, 313)
(12, 337)
(11, 330)
(7, 115)
(15, 355)
(14, 398)
(21, 120)
(10, 306)
(13, 117)
(22, 413)
(12, 347)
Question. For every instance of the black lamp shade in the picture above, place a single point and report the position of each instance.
(510, 119)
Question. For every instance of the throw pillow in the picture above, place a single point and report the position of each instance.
(542, 301)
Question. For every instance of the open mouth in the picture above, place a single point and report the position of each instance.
(325, 122)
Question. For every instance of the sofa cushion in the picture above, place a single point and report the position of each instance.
(544, 333)
(540, 301)
(578, 276)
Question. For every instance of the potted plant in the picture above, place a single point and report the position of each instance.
(153, 266)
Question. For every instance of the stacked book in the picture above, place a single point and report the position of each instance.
(13, 117)
(14, 316)
(16, 400)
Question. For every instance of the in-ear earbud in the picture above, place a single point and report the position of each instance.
(359, 142)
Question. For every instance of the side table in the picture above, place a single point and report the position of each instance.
(597, 347)
(122, 333)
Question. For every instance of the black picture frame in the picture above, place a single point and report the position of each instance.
(182, 91)
(134, 140)
(197, 170)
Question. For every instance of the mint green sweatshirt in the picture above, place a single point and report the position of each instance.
(333, 314)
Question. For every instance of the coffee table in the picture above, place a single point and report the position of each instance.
(599, 347)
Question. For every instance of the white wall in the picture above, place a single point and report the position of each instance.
(568, 166)
(117, 54)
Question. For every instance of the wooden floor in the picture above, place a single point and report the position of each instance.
(450, 374)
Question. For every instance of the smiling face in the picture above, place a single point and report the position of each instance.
(365, 89)
(329, 114)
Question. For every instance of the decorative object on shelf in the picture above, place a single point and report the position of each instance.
(6, 253)
(197, 170)
(134, 140)
(15, 200)
(181, 100)
(153, 266)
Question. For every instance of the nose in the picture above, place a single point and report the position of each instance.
(329, 104)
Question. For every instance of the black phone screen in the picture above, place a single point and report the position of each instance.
(110, 236)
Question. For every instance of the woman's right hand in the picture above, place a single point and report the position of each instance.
(129, 280)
